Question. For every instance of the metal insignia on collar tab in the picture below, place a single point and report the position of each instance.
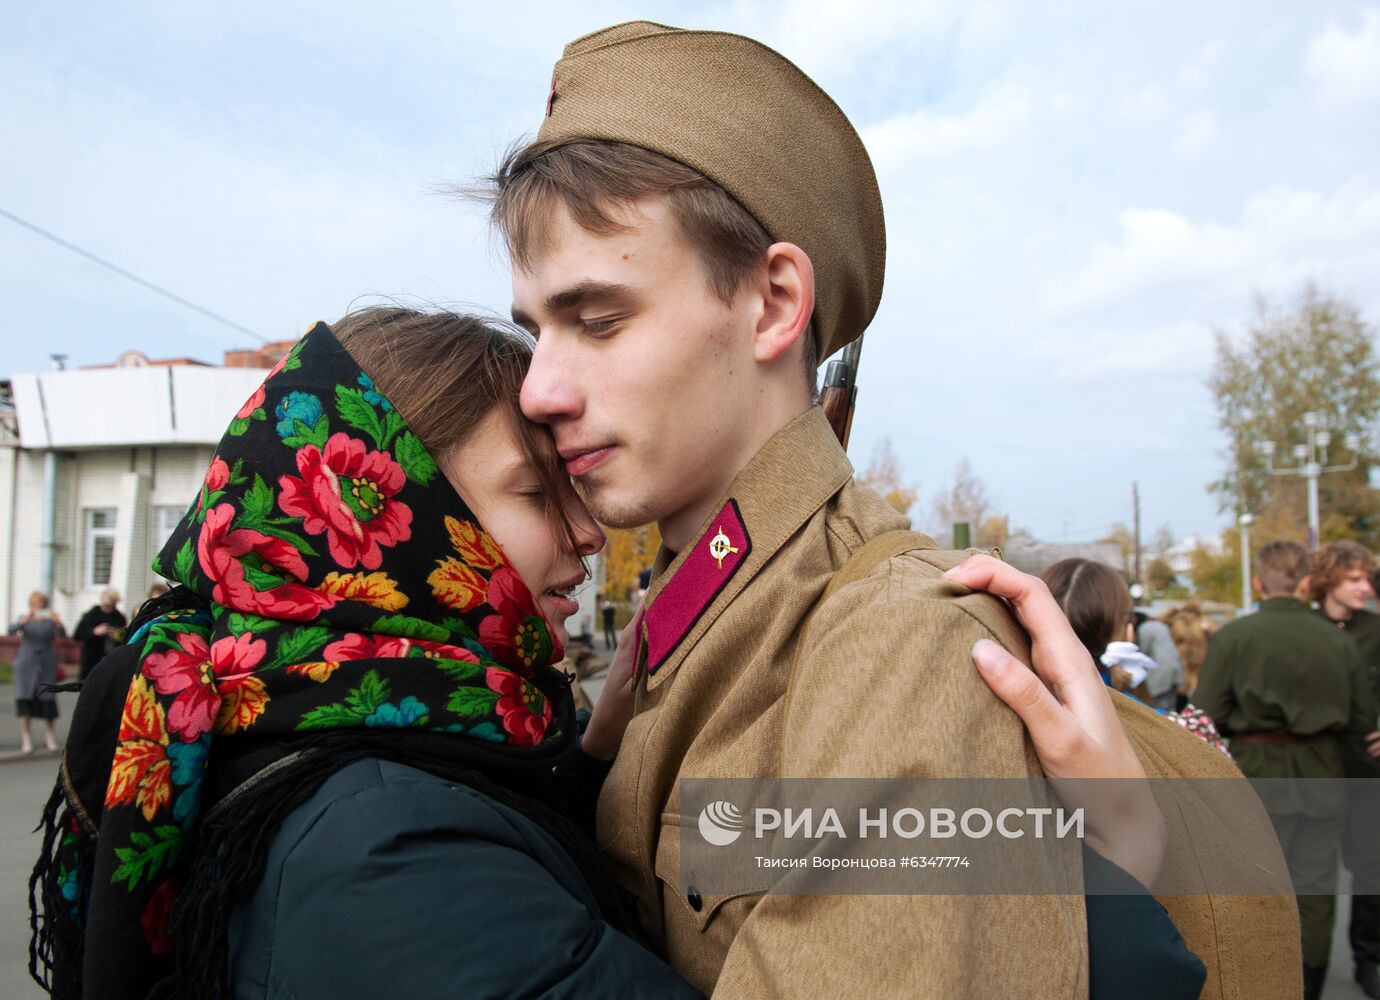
(721, 547)
(691, 591)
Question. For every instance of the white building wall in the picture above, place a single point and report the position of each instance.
(136, 482)
(9, 484)
(165, 405)
(176, 480)
(152, 458)
(21, 522)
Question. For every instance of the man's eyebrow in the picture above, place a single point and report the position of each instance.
(581, 293)
(585, 293)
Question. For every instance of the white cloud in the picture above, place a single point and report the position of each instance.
(1001, 113)
(821, 36)
(1146, 104)
(1346, 64)
(1196, 132)
(1180, 348)
(1283, 236)
(1198, 72)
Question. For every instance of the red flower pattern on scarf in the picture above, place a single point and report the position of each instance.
(235, 657)
(184, 672)
(251, 404)
(224, 552)
(347, 492)
(359, 646)
(155, 917)
(217, 475)
(518, 635)
(516, 701)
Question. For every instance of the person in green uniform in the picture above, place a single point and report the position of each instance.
(1285, 688)
(1340, 587)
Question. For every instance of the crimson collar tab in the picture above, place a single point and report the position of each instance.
(706, 571)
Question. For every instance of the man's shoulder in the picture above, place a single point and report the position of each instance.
(1246, 625)
(1319, 625)
(907, 591)
(1365, 622)
(1293, 626)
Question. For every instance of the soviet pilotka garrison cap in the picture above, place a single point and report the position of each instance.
(749, 120)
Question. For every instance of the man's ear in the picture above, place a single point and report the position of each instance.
(788, 300)
(1301, 591)
(1255, 582)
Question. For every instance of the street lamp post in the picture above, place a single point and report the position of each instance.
(1245, 521)
(1311, 459)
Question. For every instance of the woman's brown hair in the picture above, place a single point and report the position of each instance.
(1094, 598)
(445, 372)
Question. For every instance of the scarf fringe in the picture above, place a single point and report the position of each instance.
(55, 942)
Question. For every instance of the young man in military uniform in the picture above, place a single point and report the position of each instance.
(694, 226)
(1286, 689)
(1340, 588)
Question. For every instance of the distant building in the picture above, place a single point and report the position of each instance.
(125, 447)
(1180, 557)
(265, 356)
(1036, 557)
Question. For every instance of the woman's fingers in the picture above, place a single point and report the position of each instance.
(1035, 607)
(1057, 654)
(1053, 730)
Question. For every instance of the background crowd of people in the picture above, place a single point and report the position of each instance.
(1289, 692)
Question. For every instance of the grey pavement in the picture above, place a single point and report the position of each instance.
(9, 725)
(594, 683)
(25, 783)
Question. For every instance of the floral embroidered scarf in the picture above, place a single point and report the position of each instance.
(344, 586)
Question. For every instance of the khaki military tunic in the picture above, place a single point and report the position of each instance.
(886, 688)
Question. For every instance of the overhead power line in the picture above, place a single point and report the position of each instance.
(209, 314)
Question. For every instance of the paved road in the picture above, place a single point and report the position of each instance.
(26, 782)
(24, 786)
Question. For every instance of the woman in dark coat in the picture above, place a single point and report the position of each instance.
(100, 630)
(35, 667)
(343, 763)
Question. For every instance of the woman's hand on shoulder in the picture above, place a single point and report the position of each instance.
(614, 708)
(1071, 719)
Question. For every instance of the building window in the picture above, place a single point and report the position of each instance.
(100, 545)
(166, 520)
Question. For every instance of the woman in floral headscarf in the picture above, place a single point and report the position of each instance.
(340, 740)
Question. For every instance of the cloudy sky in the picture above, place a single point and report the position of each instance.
(1077, 195)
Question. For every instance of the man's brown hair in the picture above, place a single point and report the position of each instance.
(445, 372)
(1334, 561)
(1281, 567)
(1094, 598)
(590, 178)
